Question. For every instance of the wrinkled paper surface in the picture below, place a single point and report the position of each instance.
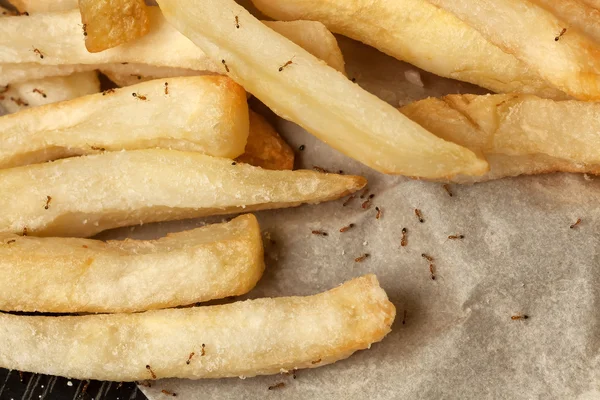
(458, 341)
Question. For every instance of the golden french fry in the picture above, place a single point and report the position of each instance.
(19, 96)
(518, 134)
(301, 88)
(208, 114)
(565, 57)
(245, 339)
(94, 193)
(421, 34)
(265, 148)
(39, 6)
(110, 23)
(578, 14)
(66, 275)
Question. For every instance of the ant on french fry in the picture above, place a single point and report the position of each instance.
(40, 92)
(287, 64)
(564, 30)
(225, 64)
(139, 96)
(38, 52)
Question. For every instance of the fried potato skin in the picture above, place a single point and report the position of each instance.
(417, 32)
(110, 23)
(115, 189)
(517, 134)
(243, 339)
(265, 148)
(67, 275)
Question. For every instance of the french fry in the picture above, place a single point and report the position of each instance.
(41, 6)
(131, 74)
(565, 57)
(12, 73)
(421, 34)
(110, 23)
(314, 37)
(65, 275)
(301, 88)
(51, 44)
(578, 14)
(208, 114)
(265, 148)
(19, 96)
(110, 190)
(518, 134)
(243, 339)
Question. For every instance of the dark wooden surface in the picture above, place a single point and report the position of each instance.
(40, 387)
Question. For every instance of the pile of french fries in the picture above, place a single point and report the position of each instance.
(175, 139)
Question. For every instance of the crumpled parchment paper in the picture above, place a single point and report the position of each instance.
(453, 337)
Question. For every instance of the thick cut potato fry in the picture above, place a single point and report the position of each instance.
(421, 34)
(265, 148)
(578, 14)
(82, 275)
(57, 37)
(299, 87)
(518, 134)
(313, 36)
(131, 74)
(40, 6)
(208, 114)
(19, 96)
(24, 72)
(566, 58)
(245, 339)
(94, 193)
(110, 23)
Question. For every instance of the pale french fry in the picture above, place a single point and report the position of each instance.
(19, 96)
(518, 134)
(314, 37)
(131, 74)
(110, 23)
(66, 275)
(57, 37)
(265, 148)
(40, 6)
(23, 72)
(577, 14)
(208, 114)
(94, 193)
(421, 34)
(243, 339)
(565, 57)
(301, 88)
